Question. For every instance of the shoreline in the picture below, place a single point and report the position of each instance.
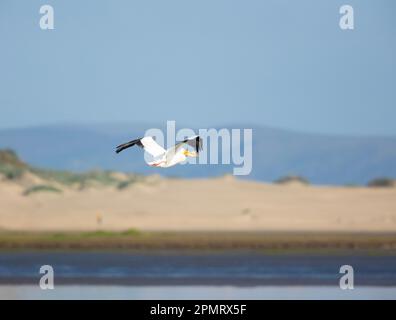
(144, 241)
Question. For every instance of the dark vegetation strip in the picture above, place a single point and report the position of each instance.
(259, 241)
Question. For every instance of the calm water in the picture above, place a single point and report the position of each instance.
(195, 292)
(167, 275)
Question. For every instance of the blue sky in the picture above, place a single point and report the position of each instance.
(209, 62)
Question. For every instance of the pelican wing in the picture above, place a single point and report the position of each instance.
(147, 143)
(194, 141)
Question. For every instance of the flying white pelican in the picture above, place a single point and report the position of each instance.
(165, 158)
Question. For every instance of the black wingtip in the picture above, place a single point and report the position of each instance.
(198, 144)
(120, 148)
(128, 145)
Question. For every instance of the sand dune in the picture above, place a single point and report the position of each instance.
(221, 204)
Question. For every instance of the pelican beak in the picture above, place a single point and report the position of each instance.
(190, 154)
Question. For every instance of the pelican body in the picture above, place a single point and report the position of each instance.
(165, 158)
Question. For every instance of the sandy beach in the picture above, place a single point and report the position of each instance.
(220, 204)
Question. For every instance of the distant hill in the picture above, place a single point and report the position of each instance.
(321, 159)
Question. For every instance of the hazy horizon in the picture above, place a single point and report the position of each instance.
(180, 125)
